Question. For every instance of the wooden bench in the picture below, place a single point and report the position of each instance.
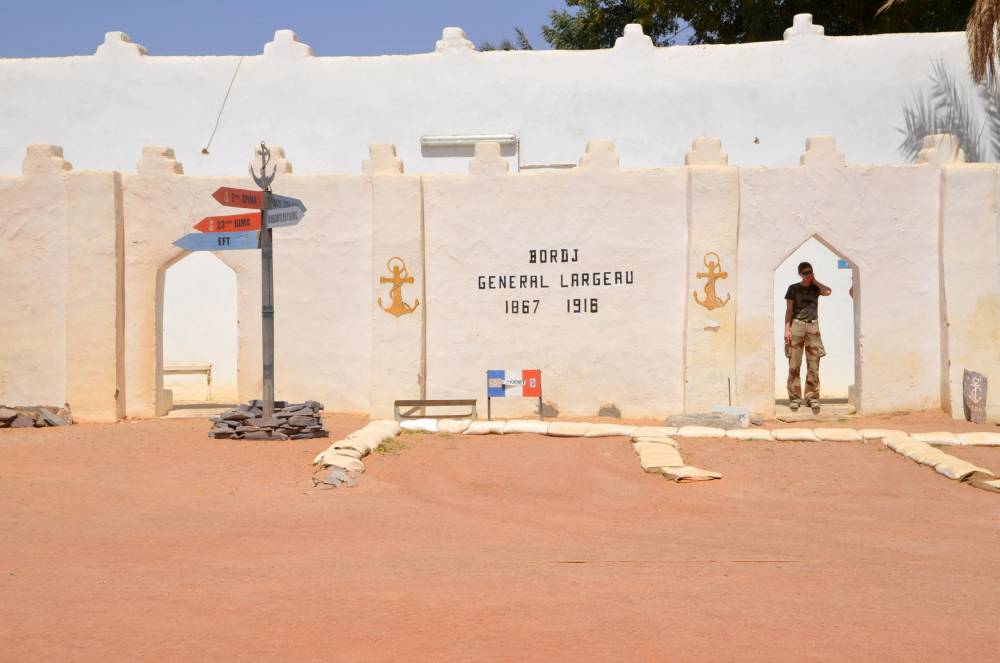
(414, 406)
(191, 369)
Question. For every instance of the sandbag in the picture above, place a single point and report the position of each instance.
(421, 425)
(654, 431)
(980, 439)
(662, 456)
(655, 440)
(454, 426)
(527, 426)
(880, 433)
(569, 428)
(750, 434)
(794, 435)
(838, 435)
(957, 469)
(689, 473)
(486, 427)
(701, 431)
(610, 430)
(344, 462)
(940, 437)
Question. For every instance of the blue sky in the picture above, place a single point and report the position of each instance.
(34, 28)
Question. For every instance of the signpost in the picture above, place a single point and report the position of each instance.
(252, 230)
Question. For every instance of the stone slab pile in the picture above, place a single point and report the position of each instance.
(34, 417)
(291, 421)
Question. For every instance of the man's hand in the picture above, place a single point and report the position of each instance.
(788, 334)
(824, 291)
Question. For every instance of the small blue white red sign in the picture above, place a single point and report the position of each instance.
(527, 382)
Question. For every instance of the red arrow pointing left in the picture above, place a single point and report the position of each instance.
(228, 224)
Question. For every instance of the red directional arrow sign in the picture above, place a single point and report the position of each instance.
(239, 197)
(228, 224)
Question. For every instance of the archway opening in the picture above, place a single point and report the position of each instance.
(199, 334)
(838, 322)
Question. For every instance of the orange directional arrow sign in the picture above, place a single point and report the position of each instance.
(228, 224)
(239, 197)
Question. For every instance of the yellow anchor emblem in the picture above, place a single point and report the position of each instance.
(400, 275)
(713, 274)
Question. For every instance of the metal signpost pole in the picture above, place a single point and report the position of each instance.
(264, 180)
(267, 309)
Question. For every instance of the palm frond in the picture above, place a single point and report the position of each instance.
(981, 35)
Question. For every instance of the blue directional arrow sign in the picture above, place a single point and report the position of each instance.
(283, 202)
(279, 218)
(219, 241)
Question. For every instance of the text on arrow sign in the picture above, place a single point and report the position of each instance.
(219, 241)
(231, 223)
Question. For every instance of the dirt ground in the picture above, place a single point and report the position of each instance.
(149, 541)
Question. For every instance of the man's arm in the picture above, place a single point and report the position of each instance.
(823, 290)
(788, 320)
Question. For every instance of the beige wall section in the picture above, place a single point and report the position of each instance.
(710, 333)
(885, 221)
(33, 250)
(94, 321)
(970, 254)
(629, 353)
(322, 283)
(397, 232)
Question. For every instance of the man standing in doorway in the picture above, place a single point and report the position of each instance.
(802, 334)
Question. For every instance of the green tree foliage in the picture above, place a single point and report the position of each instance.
(587, 24)
(521, 43)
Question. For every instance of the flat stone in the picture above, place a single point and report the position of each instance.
(51, 418)
(22, 421)
(220, 434)
(6, 414)
(265, 435)
(235, 415)
(247, 429)
(260, 404)
(316, 405)
(301, 436)
(302, 421)
(709, 420)
(270, 423)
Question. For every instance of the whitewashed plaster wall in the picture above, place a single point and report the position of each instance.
(629, 352)
(884, 220)
(759, 98)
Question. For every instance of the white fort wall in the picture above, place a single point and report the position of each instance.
(759, 98)
(924, 241)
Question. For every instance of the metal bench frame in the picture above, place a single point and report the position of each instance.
(414, 405)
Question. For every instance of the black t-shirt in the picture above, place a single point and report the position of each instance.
(805, 301)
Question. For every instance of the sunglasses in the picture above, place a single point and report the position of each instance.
(808, 272)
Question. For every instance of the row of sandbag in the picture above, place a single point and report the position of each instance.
(348, 452)
(661, 455)
(922, 452)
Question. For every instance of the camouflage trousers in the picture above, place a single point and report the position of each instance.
(805, 340)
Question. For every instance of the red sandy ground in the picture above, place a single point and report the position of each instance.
(149, 541)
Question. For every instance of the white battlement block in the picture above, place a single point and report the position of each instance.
(286, 43)
(487, 160)
(803, 28)
(42, 158)
(634, 38)
(821, 151)
(453, 40)
(600, 155)
(117, 44)
(706, 152)
(158, 160)
(382, 160)
(941, 149)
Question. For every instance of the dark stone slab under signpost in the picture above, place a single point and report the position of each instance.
(974, 396)
(297, 421)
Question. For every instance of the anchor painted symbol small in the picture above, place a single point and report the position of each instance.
(713, 274)
(400, 276)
